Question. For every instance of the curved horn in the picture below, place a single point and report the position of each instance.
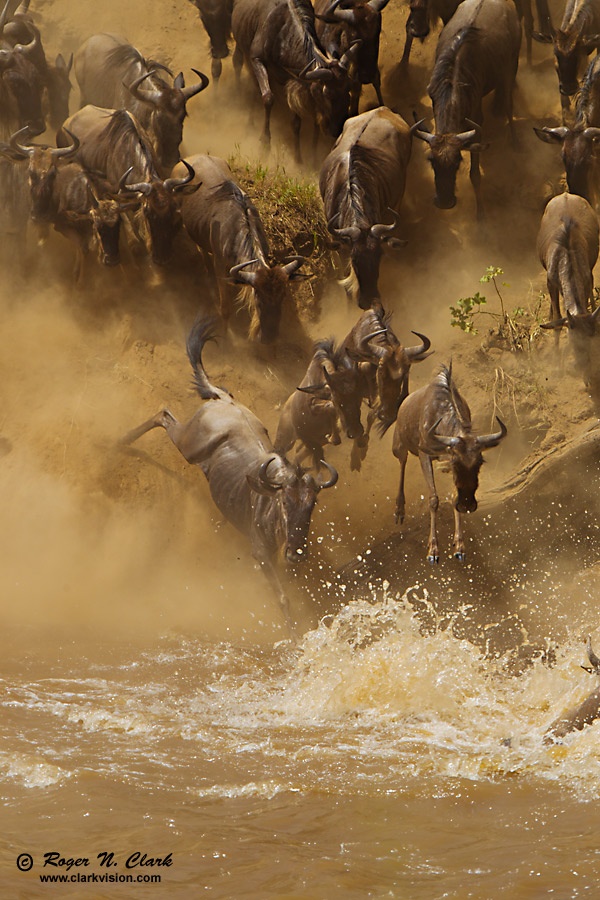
(31, 47)
(379, 231)
(143, 187)
(23, 151)
(595, 314)
(235, 269)
(4, 16)
(263, 475)
(476, 127)
(418, 350)
(591, 133)
(320, 73)
(466, 137)
(595, 662)
(446, 441)
(193, 89)
(426, 136)
(416, 127)
(294, 264)
(175, 184)
(490, 440)
(152, 96)
(378, 5)
(333, 14)
(351, 234)
(549, 135)
(333, 476)
(350, 54)
(62, 152)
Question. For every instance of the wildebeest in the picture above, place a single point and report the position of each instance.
(64, 195)
(384, 367)
(112, 143)
(329, 395)
(114, 75)
(339, 26)
(216, 18)
(22, 84)
(478, 52)
(579, 143)
(577, 37)
(585, 713)
(435, 422)
(423, 14)
(20, 29)
(222, 220)
(362, 183)
(567, 246)
(278, 41)
(256, 488)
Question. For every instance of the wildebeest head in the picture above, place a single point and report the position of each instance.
(417, 24)
(363, 20)
(445, 156)
(42, 169)
(341, 384)
(571, 48)
(330, 81)
(466, 458)
(366, 246)
(59, 90)
(579, 147)
(168, 105)
(160, 208)
(216, 18)
(297, 492)
(23, 79)
(270, 288)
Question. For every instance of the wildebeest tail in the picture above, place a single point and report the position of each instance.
(203, 330)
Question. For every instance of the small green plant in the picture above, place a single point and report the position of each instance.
(464, 314)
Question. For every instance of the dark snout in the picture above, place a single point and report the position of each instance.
(109, 259)
(465, 505)
(417, 25)
(444, 202)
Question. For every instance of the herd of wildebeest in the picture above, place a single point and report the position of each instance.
(115, 180)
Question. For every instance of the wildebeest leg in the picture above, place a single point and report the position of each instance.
(216, 67)
(315, 146)
(163, 419)
(296, 125)
(565, 104)
(544, 17)
(361, 444)
(459, 545)
(377, 86)
(434, 502)
(266, 93)
(275, 582)
(354, 92)
(402, 456)
(475, 175)
(406, 52)
(238, 63)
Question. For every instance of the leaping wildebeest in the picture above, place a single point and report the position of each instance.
(567, 246)
(256, 488)
(579, 143)
(477, 52)
(434, 423)
(329, 396)
(384, 366)
(222, 220)
(585, 713)
(362, 183)
(577, 37)
(216, 18)
(114, 75)
(114, 144)
(338, 26)
(278, 41)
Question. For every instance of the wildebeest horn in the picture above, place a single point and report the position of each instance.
(24, 152)
(349, 55)
(333, 476)
(549, 135)
(465, 137)
(378, 5)
(4, 16)
(235, 269)
(27, 49)
(175, 184)
(333, 14)
(490, 440)
(264, 478)
(346, 234)
(294, 264)
(426, 136)
(592, 133)
(143, 187)
(418, 351)
(320, 73)
(416, 126)
(596, 313)
(152, 96)
(476, 126)
(22, 9)
(62, 152)
(444, 439)
(379, 231)
(193, 89)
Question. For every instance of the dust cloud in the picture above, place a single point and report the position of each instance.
(97, 537)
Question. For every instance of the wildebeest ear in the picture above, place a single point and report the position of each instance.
(394, 242)
(478, 148)
(591, 42)
(542, 38)
(179, 82)
(189, 188)
(556, 323)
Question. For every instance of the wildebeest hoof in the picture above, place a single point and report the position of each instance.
(459, 555)
(434, 560)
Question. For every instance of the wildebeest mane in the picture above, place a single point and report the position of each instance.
(584, 96)
(125, 55)
(252, 239)
(326, 349)
(305, 14)
(459, 411)
(365, 169)
(123, 127)
(446, 78)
